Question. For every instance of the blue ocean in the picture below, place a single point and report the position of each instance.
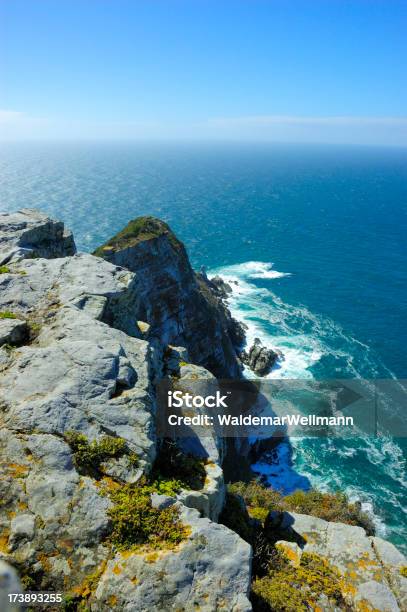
(316, 237)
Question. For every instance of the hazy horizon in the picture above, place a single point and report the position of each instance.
(307, 72)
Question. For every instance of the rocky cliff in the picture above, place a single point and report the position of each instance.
(92, 504)
(71, 365)
(180, 306)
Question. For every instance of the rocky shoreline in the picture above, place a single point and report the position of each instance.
(83, 341)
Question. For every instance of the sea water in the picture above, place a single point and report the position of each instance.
(315, 238)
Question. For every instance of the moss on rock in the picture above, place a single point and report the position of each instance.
(6, 314)
(136, 231)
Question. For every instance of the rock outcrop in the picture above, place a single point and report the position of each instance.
(76, 359)
(191, 578)
(259, 358)
(30, 233)
(178, 304)
(370, 567)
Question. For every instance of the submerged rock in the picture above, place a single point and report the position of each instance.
(259, 358)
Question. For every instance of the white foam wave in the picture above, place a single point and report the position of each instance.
(304, 339)
(277, 470)
(257, 308)
(254, 269)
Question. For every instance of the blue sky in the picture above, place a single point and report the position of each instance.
(278, 70)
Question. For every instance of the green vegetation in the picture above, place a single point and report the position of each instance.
(88, 456)
(287, 588)
(6, 314)
(403, 571)
(70, 603)
(328, 506)
(4, 270)
(138, 230)
(173, 464)
(234, 515)
(136, 522)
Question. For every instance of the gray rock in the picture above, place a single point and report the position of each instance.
(12, 331)
(9, 583)
(162, 501)
(22, 526)
(221, 286)
(369, 566)
(259, 358)
(210, 570)
(30, 233)
(388, 553)
(377, 596)
(179, 305)
(208, 501)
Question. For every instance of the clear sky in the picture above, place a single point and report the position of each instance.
(278, 70)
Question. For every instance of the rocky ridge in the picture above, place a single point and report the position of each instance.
(84, 340)
(81, 367)
(176, 302)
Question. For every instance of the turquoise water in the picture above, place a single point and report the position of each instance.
(316, 237)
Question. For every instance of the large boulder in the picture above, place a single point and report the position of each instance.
(370, 567)
(30, 233)
(209, 571)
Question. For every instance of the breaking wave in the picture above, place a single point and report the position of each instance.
(370, 470)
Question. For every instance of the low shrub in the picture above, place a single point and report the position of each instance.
(173, 464)
(296, 589)
(6, 314)
(88, 456)
(403, 571)
(4, 269)
(136, 522)
(328, 506)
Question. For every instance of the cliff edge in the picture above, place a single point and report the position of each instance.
(178, 304)
(93, 505)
